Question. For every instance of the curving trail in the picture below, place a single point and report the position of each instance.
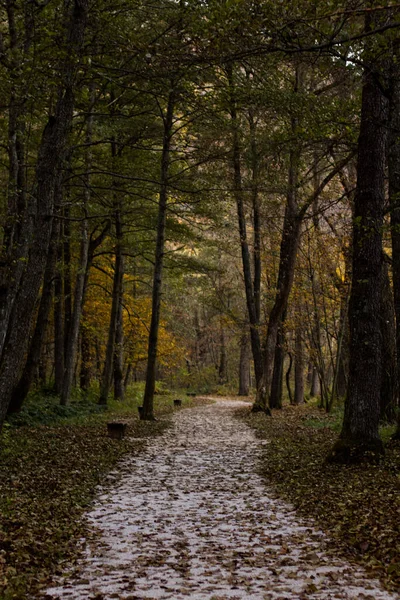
(190, 518)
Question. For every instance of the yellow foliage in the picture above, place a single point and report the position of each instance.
(136, 319)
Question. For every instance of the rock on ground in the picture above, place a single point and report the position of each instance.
(189, 517)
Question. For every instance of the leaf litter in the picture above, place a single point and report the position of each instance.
(191, 517)
(358, 506)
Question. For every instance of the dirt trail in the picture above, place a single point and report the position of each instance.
(191, 518)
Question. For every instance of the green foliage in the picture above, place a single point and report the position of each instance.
(227, 389)
(202, 381)
(46, 410)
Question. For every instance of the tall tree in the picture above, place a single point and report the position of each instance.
(359, 437)
(394, 190)
(168, 118)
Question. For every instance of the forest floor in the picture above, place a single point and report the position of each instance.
(357, 506)
(191, 516)
(50, 466)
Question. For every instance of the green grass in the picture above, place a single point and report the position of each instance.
(45, 409)
(334, 420)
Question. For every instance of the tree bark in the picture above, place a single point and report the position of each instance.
(315, 383)
(58, 325)
(148, 400)
(359, 438)
(36, 345)
(107, 376)
(339, 387)
(288, 372)
(244, 366)
(389, 387)
(287, 262)
(66, 276)
(127, 377)
(394, 193)
(86, 369)
(256, 217)
(72, 340)
(119, 387)
(299, 368)
(222, 367)
(85, 374)
(275, 400)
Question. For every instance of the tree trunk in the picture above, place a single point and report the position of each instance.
(287, 261)
(66, 275)
(359, 438)
(107, 376)
(252, 292)
(85, 374)
(315, 383)
(389, 386)
(342, 360)
(148, 400)
(35, 350)
(72, 340)
(222, 367)
(394, 194)
(288, 255)
(72, 321)
(119, 388)
(86, 370)
(244, 366)
(299, 368)
(288, 372)
(127, 377)
(58, 326)
(50, 157)
(275, 400)
(256, 217)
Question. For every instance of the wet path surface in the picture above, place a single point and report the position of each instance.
(191, 518)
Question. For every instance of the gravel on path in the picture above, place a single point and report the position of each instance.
(189, 517)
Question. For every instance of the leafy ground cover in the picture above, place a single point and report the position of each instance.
(51, 462)
(358, 506)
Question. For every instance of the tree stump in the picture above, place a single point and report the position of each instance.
(116, 431)
(140, 409)
(177, 402)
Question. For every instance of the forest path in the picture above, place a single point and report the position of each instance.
(191, 518)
